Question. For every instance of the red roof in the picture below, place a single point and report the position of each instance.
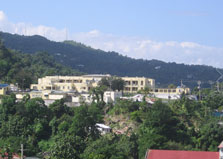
(173, 154)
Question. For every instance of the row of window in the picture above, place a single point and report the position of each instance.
(133, 82)
(53, 88)
(133, 88)
(166, 90)
(70, 81)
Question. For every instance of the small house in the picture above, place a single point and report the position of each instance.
(104, 129)
(4, 88)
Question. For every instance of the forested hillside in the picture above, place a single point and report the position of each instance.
(24, 69)
(61, 132)
(86, 59)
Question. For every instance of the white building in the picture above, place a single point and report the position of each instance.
(111, 96)
(104, 129)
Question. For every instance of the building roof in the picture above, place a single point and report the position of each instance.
(97, 75)
(173, 154)
(3, 85)
(103, 126)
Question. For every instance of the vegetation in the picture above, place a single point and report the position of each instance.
(86, 59)
(24, 69)
(62, 132)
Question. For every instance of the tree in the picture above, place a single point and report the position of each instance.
(105, 82)
(209, 135)
(110, 146)
(83, 123)
(24, 79)
(171, 86)
(67, 146)
(98, 93)
(117, 84)
(160, 126)
(58, 108)
(146, 92)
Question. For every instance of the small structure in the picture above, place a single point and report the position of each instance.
(111, 96)
(4, 88)
(140, 98)
(170, 93)
(175, 154)
(104, 129)
(13, 88)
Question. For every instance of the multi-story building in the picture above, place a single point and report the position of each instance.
(170, 93)
(68, 83)
(86, 82)
(135, 84)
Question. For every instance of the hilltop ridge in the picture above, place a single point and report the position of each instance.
(94, 61)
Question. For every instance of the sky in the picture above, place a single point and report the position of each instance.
(181, 31)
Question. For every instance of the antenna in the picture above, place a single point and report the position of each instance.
(219, 78)
(181, 84)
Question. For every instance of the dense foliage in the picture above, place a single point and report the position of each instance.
(61, 132)
(25, 69)
(89, 60)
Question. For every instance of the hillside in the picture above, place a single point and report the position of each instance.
(89, 60)
(24, 69)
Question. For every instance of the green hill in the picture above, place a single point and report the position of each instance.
(24, 69)
(89, 60)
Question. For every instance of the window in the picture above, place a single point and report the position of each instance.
(134, 89)
(127, 82)
(127, 89)
(134, 82)
(48, 88)
(141, 82)
(69, 81)
(61, 81)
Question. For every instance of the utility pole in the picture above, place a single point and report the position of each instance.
(221, 76)
(199, 87)
(22, 151)
(218, 89)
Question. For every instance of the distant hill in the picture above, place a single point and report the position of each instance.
(24, 69)
(89, 60)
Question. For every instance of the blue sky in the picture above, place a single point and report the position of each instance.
(183, 31)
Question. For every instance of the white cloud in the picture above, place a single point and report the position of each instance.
(169, 51)
(28, 29)
(136, 47)
(2, 16)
